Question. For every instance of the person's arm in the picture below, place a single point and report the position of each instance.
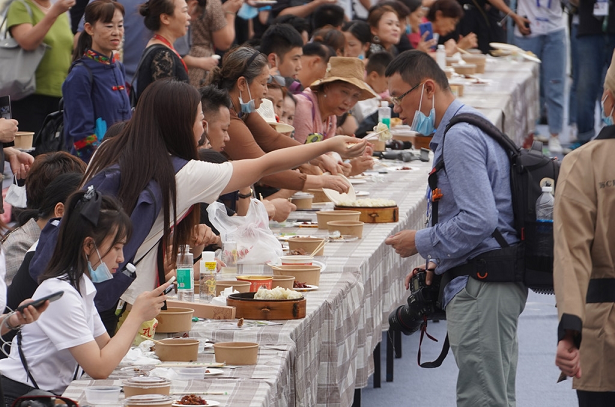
(8, 129)
(265, 136)
(100, 357)
(206, 63)
(223, 37)
(247, 172)
(243, 204)
(20, 161)
(29, 37)
(574, 221)
(163, 64)
(519, 20)
(306, 9)
(14, 320)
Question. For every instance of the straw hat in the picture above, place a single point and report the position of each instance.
(349, 70)
(266, 111)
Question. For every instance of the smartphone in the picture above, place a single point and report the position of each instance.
(37, 303)
(5, 107)
(426, 27)
(170, 287)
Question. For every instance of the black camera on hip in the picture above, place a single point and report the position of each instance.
(422, 304)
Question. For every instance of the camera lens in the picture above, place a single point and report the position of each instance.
(404, 320)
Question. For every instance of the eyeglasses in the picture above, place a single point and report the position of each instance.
(397, 99)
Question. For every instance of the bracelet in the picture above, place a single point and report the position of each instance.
(245, 196)
(8, 323)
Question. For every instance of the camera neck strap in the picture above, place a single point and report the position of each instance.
(443, 353)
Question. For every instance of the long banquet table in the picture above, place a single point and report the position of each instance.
(321, 359)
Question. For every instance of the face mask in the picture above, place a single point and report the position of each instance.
(249, 106)
(16, 195)
(101, 273)
(247, 12)
(608, 120)
(421, 123)
(361, 57)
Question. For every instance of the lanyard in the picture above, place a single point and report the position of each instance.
(548, 4)
(168, 44)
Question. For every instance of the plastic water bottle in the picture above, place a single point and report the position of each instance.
(544, 205)
(384, 113)
(185, 275)
(208, 276)
(441, 56)
(544, 220)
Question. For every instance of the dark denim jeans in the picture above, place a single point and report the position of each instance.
(574, 67)
(594, 54)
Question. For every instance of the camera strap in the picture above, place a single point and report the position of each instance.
(443, 353)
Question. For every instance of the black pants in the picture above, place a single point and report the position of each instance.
(31, 111)
(12, 390)
(596, 398)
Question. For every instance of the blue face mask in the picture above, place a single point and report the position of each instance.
(249, 106)
(422, 124)
(101, 273)
(608, 120)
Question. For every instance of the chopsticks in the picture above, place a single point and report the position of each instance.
(463, 51)
(320, 246)
(373, 136)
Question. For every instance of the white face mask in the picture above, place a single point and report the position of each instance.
(16, 195)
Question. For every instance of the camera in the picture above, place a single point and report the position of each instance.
(422, 303)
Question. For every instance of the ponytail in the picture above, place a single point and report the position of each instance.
(85, 42)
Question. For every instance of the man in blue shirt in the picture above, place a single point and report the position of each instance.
(476, 199)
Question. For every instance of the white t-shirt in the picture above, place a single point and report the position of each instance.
(545, 16)
(196, 182)
(2, 283)
(68, 322)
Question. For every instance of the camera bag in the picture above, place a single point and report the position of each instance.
(531, 260)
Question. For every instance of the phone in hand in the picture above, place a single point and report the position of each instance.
(170, 287)
(426, 28)
(5, 107)
(39, 302)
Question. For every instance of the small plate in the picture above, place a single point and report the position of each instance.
(322, 265)
(309, 288)
(213, 372)
(362, 193)
(501, 45)
(209, 403)
(344, 238)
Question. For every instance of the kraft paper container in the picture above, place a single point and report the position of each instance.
(283, 281)
(23, 140)
(149, 400)
(241, 286)
(319, 195)
(146, 385)
(236, 353)
(174, 320)
(328, 216)
(303, 201)
(465, 69)
(308, 244)
(304, 274)
(353, 228)
(177, 349)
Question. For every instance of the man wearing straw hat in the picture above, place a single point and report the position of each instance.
(474, 200)
(584, 269)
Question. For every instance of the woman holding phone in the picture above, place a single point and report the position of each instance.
(72, 337)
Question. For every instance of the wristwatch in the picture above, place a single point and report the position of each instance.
(245, 196)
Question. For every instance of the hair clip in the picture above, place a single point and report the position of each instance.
(91, 203)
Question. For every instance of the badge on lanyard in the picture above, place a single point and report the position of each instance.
(601, 8)
(541, 25)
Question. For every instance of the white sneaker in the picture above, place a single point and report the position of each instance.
(554, 145)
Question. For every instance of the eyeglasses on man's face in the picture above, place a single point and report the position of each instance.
(397, 99)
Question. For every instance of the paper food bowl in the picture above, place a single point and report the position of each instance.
(302, 200)
(477, 59)
(319, 195)
(308, 244)
(328, 216)
(283, 281)
(257, 282)
(241, 286)
(236, 353)
(346, 227)
(304, 274)
(174, 320)
(148, 400)
(465, 69)
(23, 140)
(177, 349)
(146, 385)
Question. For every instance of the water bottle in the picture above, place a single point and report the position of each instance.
(441, 57)
(384, 113)
(185, 275)
(208, 276)
(544, 222)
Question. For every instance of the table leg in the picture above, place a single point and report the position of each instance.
(377, 369)
(357, 398)
(397, 336)
(390, 358)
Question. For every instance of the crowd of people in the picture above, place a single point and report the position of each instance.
(170, 105)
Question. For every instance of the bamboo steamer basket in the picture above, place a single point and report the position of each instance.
(249, 308)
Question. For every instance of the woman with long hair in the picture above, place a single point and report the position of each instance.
(244, 75)
(168, 125)
(49, 353)
(96, 82)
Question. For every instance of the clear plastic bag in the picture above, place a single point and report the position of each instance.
(256, 244)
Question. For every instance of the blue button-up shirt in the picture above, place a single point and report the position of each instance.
(475, 185)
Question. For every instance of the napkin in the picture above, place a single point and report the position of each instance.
(221, 299)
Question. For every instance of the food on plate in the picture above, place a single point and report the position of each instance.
(298, 252)
(396, 121)
(405, 168)
(298, 284)
(368, 203)
(277, 293)
(240, 323)
(192, 400)
(207, 371)
(383, 131)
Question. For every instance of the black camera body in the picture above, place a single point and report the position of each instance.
(422, 303)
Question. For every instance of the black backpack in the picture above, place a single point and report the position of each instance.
(529, 170)
(51, 137)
